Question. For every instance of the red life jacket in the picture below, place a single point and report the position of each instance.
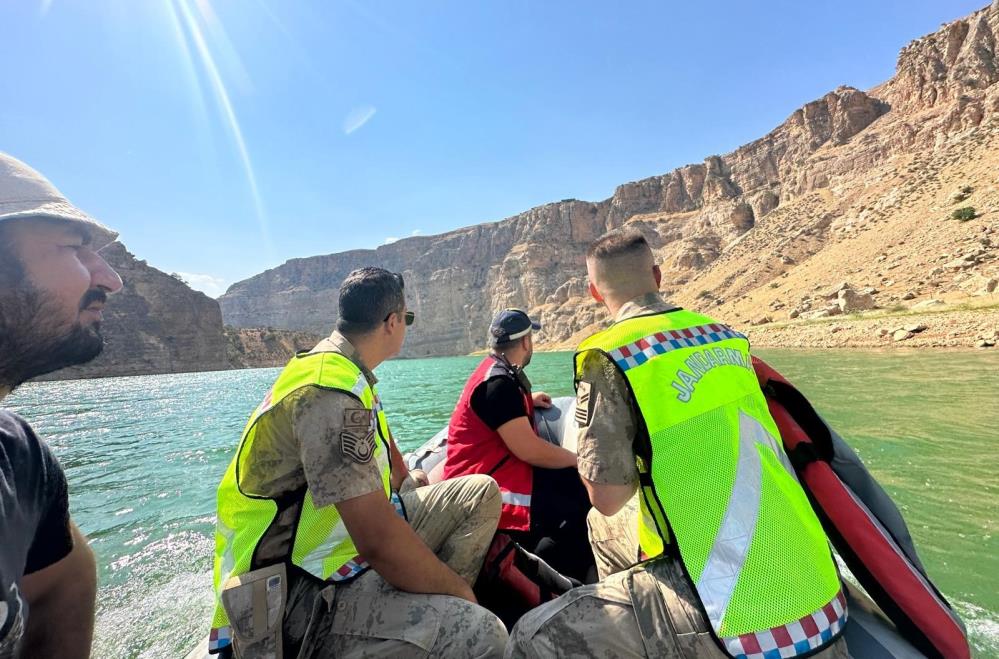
(475, 448)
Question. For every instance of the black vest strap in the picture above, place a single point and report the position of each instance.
(802, 455)
(821, 446)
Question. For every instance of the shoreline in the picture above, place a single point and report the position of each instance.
(948, 327)
(955, 328)
(961, 327)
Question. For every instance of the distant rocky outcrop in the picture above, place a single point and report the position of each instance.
(853, 185)
(456, 280)
(893, 190)
(155, 324)
(265, 347)
(158, 324)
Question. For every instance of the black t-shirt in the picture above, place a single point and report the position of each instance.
(34, 520)
(498, 400)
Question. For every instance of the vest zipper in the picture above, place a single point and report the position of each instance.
(498, 465)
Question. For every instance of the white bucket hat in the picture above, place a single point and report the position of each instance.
(24, 194)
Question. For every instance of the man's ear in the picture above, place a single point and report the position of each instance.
(594, 293)
(658, 274)
(392, 324)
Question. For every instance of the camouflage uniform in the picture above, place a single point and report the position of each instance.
(367, 616)
(648, 610)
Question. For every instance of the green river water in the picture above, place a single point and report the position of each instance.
(144, 454)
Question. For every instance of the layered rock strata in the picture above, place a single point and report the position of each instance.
(853, 185)
(265, 347)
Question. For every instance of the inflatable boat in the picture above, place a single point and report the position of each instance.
(869, 633)
(894, 609)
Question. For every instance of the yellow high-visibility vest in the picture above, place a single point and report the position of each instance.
(321, 545)
(717, 486)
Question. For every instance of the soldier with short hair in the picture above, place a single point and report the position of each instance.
(720, 554)
(317, 553)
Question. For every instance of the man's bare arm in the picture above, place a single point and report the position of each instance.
(61, 600)
(520, 438)
(391, 546)
(399, 468)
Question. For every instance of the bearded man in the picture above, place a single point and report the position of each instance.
(53, 287)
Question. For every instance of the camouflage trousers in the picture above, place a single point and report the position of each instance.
(368, 617)
(633, 611)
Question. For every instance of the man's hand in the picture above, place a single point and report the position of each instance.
(61, 600)
(541, 399)
(391, 546)
(416, 478)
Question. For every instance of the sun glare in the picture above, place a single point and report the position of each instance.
(194, 48)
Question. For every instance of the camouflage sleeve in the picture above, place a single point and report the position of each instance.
(607, 423)
(334, 431)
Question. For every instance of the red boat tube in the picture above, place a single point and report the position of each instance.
(876, 546)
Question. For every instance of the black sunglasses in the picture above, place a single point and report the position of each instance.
(410, 317)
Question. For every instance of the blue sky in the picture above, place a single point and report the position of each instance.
(223, 137)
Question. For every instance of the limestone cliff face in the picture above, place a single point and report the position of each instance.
(533, 260)
(959, 60)
(853, 184)
(265, 347)
(155, 324)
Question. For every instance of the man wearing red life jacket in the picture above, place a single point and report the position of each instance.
(492, 432)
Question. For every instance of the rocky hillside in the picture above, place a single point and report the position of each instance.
(265, 347)
(155, 324)
(893, 189)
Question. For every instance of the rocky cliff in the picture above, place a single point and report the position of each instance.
(858, 185)
(265, 347)
(155, 324)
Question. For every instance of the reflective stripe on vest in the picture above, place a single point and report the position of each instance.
(321, 545)
(516, 499)
(717, 484)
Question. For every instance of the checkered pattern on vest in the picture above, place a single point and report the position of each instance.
(640, 351)
(794, 638)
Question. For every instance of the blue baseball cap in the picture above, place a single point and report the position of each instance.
(510, 325)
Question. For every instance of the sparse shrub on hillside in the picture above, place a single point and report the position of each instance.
(964, 213)
(703, 294)
(961, 194)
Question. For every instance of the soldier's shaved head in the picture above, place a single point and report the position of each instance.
(621, 267)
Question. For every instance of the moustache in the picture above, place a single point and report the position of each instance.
(91, 296)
